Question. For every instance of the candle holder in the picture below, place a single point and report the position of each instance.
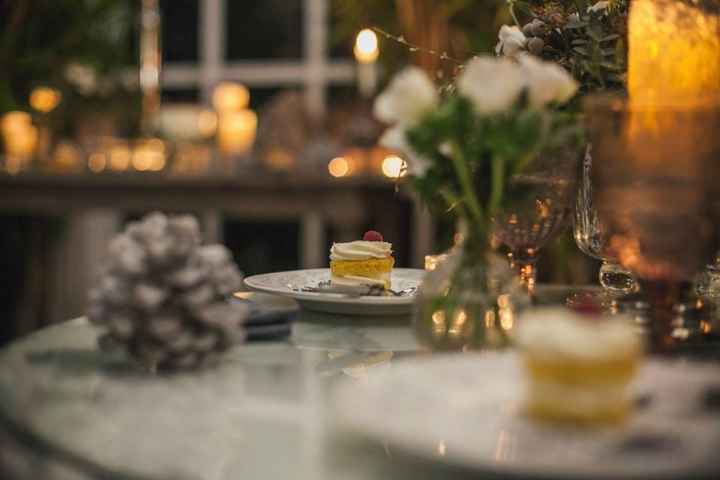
(654, 177)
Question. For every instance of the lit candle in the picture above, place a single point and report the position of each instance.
(230, 97)
(236, 132)
(20, 137)
(366, 53)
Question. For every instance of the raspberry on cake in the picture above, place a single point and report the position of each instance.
(362, 262)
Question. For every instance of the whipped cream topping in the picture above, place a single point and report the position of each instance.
(553, 331)
(360, 250)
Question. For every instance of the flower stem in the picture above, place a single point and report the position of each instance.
(511, 8)
(498, 181)
(463, 172)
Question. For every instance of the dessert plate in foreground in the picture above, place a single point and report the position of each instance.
(303, 286)
(466, 410)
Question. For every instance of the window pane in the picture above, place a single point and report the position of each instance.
(180, 30)
(264, 29)
(176, 95)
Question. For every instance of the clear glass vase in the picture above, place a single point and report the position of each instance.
(469, 301)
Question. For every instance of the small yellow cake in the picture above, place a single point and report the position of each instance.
(367, 261)
(578, 368)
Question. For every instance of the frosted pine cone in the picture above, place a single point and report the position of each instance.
(164, 296)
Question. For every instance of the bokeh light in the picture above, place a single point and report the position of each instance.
(44, 99)
(394, 167)
(339, 167)
(230, 97)
(366, 46)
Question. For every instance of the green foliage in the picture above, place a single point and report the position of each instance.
(473, 156)
(38, 38)
(592, 45)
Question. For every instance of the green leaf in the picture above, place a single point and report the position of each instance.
(581, 51)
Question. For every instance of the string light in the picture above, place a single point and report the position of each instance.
(416, 48)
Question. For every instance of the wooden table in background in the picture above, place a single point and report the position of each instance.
(94, 206)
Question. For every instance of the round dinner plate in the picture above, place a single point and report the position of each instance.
(466, 410)
(288, 284)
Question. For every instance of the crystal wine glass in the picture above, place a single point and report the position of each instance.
(538, 203)
(591, 239)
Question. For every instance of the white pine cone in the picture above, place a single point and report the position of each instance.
(163, 296)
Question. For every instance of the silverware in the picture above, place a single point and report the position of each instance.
(355, 292)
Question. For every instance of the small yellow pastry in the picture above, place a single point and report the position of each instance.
(367, 261)
(578, 367)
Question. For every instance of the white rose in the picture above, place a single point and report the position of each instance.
(410, 95)
(512, 41)
(394, 138)
(599, 7)
(491, 84)
(546, 81)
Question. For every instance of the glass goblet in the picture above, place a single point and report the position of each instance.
(538, 203)
(591, 239)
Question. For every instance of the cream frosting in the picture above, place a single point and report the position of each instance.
(360, 250)
(554, 331)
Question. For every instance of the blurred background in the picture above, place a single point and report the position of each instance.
(255, 115)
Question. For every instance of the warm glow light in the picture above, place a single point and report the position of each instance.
(67, 156)
(45, 99)
(236, 132)
(674, 53)
(149, 155)
(192, 158)
(119, 158)
(97, 162)
(457, 325)
(439, 324)
(339, 167)
(432, 261)
(230, 97)
(278, 158)
(394, 167)
(366, 46)
(20, 137)
(207, 123)
(15, 121)
(186, 122)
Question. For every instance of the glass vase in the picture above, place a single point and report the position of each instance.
(469, 301)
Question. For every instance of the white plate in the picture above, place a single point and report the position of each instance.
(285, 283)
(466, 411)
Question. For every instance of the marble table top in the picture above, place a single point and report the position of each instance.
(264, 413)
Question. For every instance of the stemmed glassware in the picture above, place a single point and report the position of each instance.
(591, 239)
(539, 204)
